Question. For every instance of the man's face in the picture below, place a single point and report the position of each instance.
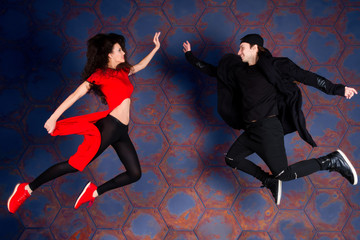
(246, 53)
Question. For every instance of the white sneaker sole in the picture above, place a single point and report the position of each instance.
(82, 194)
(279, 193)
(350, 165)
(12, 195)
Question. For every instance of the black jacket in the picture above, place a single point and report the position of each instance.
(279, 71)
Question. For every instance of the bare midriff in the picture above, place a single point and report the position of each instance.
(122, 112)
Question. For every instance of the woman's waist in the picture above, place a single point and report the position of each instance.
(122, 111)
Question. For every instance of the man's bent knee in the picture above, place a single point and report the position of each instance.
(230, 162)
(286, 175)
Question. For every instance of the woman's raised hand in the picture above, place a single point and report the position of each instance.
(156, 40)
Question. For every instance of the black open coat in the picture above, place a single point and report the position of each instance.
(279, 71)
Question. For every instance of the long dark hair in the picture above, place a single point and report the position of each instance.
(98, 48)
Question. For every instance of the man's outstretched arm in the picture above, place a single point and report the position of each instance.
(312, 79)
(204, 67)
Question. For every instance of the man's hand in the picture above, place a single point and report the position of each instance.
(349, 92)
(187, 46)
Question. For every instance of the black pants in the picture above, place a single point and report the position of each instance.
(266, 139)
(113, 133)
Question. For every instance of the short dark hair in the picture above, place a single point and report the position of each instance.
(252, 39)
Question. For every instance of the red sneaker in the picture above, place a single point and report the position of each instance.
(86, 196)
(18, 197)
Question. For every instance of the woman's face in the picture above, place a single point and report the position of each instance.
(117, 55)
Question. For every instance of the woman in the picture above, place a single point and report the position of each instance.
(106, 73)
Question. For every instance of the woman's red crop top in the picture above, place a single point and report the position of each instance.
(114, 84)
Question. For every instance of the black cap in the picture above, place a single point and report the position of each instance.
(253, 39)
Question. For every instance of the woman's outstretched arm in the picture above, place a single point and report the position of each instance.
(143, 63)
(50, 124)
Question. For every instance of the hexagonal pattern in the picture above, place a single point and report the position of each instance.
(146, 107)
(145, 224)
(40, 209)
(79, 224)
(178, 235)
(36, 234)
(349, 145)
(181, 208)
(181, 166)
(217, 187)
(321, 12)
(346, 26)
(13, 143)
(111, 210)
(291, 223)
(181, 126)
(149, 190)
(68, 188)
(13, 225)
(218, 224)
(185, 12)
(333, 128)
(217, 26)
(36, 159)
(287, 25)
(351, 193)
(147, 21)
(294, 53)
(326, 202)
(296, 193)
(150, 144)
(73, 26)
(48, 13)
(213, 143)
(178, 134)
(322, 45)
(350, 110)
(172, 44)
(252, 13)
(254, 209)
(254, 235)
(329, 235)
(350, 71)
(208, 105)
(12, 112)
(351, 229)
(108, 234)
(182, 87)
(156, 69)
(115, 13)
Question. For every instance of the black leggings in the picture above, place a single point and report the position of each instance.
(266, 139)
(113, 133)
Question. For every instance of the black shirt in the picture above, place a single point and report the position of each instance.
(258, 94)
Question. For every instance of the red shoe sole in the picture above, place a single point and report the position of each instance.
(12, 195)
(86, 187)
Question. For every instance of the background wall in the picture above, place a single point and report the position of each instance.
(186, 191)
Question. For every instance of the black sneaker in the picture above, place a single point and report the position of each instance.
(337, 161)
(275, 187)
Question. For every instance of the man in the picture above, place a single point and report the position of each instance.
(258, 93)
